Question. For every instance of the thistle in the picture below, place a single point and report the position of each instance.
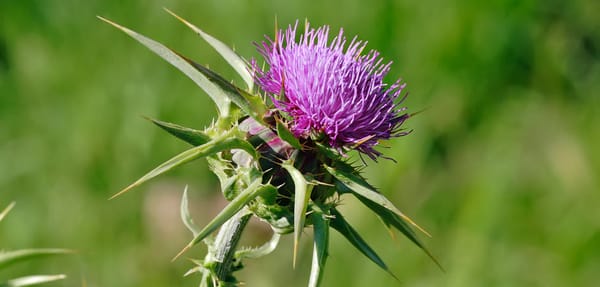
(331, 92)
(280, 149)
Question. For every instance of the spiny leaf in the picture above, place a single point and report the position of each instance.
(340, 224)
(260, 251)
(32, 280)
(11, 257)
(252, 105)
(236, 62)
(230, 210)
(329, 152)
(188, 135)
(185, 214)
(225, 142)
(197, 268)
(321, 244)
(6, 210)
(216, 93)
(391, 218)
(359, 187)
(285, 134)
(302, 191)
(375, 201)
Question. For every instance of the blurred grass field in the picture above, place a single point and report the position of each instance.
(502, 166)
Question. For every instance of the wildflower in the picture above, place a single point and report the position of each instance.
(324, 94)
(331, 92)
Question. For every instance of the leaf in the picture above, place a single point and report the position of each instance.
(196, 269)
(260, 251)
(225, 142)
(302, 191)
(359, 187)
(188, 135)
(6, 210)
(342, 226)
(253, 190)
(321, 244)
(252, 105)
(32, 280)
(329, 152)
(11, 257)
(375, 201)
(236, 62)
(216, 93)
(390, 218)
(285, 134)
(185, 214)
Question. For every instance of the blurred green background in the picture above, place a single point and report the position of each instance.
(502, 167)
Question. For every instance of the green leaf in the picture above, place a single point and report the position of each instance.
(236, 62)
(6, 210)
(252, 105)
(217, 94)
(225, 142)
(196, 269)
(185, 214)
(329, 152)
(285, 134)
(340, 224)
(359, 186)
(321, 244)
(302, 191)
(253, 190)
(390, 218)
(11, 257)
(188, 135)
(260, 251)
(381, 206)
(32, 280)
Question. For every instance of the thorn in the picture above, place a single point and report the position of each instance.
(108, 21)
(190, 25)
(6, 210)
(415, 225)
(391, 232)
(435, 260)
(123, 191)
(418, 112)
(173, 14)
(186, 248)
(295, 253)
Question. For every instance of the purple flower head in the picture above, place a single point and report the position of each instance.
(330, 91)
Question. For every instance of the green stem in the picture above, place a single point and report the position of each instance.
(224, 248)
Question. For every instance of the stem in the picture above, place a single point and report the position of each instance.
(223, 251)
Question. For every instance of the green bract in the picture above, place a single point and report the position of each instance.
(264, 171)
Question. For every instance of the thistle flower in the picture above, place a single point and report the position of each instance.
(284, 163)
(329, 91)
